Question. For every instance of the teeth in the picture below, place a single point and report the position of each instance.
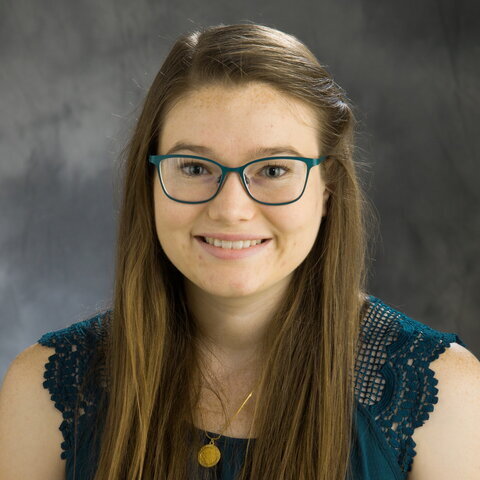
(235, 245)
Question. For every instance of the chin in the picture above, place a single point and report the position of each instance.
(231, 290)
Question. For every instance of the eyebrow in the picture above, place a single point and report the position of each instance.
(256, 152)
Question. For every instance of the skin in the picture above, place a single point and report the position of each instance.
(232, 300)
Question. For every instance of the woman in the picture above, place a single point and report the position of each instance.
(241, 342)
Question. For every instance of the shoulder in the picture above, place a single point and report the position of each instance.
(447, 445)
(42, 390)
(395, 352)
(28, 419)
(28, 364)
(26, 369)
(30, 359)
(38, 397)
(400, 342)
(399, 369)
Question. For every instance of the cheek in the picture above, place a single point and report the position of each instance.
(298, 225)
(172, 220)
(297, 233)
(303, 216)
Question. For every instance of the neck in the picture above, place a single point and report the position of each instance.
(231, 330)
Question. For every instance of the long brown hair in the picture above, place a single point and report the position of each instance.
(311, 346)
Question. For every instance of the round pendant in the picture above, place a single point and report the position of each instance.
(208, 455)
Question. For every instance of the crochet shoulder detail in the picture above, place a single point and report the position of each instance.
(75, 350)
(393, 379)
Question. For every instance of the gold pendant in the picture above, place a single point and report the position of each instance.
(209, 455)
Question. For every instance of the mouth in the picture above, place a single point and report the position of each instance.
(203, 239)
(232, 250)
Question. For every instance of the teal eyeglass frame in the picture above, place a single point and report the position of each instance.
(310, 162)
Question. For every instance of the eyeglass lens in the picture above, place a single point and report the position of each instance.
(270, 181)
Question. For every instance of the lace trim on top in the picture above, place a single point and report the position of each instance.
(64, 372)
(393, 379)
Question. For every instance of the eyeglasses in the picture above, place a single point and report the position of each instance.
(269, 180)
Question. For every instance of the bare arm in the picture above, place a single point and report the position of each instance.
(448, 444)
(30, 439)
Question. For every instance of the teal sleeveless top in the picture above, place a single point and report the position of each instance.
(394, 391)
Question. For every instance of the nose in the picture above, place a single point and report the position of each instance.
(232, 201)
(235, 179)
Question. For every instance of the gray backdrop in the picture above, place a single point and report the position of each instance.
(72, 75)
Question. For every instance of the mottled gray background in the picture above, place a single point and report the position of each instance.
(72, 75)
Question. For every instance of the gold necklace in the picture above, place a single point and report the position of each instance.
(209, 455)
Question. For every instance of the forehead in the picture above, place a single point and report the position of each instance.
(260, 94)
(238, 117)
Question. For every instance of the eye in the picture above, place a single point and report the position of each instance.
(192, 169)
(273, 171)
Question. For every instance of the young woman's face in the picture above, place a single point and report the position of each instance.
(230, 124)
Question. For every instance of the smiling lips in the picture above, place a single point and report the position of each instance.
(238, 245)
(232, 249)
(232, 241)
(233, 236)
